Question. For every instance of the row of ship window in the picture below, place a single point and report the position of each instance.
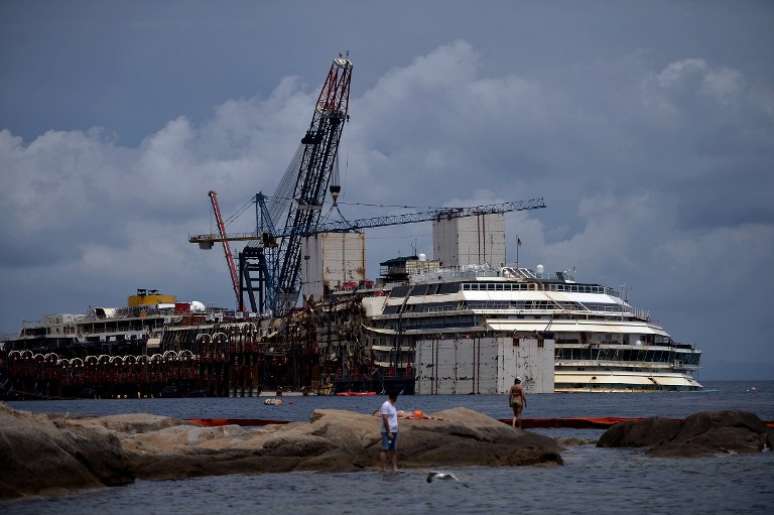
(576, 288)
(515, 304)
(621, 386)
(623, 355)
(445, 288)
(95, 327)
(429, 323)
(626, 355)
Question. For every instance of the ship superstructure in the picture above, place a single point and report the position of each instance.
(599, 341)
(153, 346)
(422, 328)
(132, 329)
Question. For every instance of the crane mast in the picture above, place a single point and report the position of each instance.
(281, 270)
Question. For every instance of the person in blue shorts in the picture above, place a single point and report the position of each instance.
(388, 415)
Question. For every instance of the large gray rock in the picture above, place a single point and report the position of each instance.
(646, 433)
(701, 434)
(41, 452)
(461, 436)
(458, 436)
(335, 440)
(125, 423)
(39, 456)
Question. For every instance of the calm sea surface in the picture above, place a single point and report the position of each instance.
(591, 481)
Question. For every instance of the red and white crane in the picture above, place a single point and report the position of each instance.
(226, 247)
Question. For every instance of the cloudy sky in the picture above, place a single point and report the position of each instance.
(647, 126)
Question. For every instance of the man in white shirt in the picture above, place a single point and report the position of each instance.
(389, 424)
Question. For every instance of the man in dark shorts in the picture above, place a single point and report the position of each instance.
(517, 401)
(388, 420)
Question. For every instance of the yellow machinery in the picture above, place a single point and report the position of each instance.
(150, 298)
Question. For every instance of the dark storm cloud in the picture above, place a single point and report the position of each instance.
(652, 141)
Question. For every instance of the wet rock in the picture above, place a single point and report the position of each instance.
(645, 433)
(457, 436)
(461, 436)
(701, 434)
(125, 423)
(335, 440)
(716, 432)
(41, 452)
(298, 446)
(37, 456)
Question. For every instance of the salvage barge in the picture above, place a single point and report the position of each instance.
(180, 349)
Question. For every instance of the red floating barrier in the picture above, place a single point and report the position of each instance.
(526, 423)
(356, 394)
(573, 422)
(213, 422)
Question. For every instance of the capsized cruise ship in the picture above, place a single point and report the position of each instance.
(454, 323)
(424, 328)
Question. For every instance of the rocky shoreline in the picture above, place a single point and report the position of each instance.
(53, 454)
(49, 454)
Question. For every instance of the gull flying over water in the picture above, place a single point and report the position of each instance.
(446, 476)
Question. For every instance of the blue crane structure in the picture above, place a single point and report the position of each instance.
(272, 265)
(269, 266)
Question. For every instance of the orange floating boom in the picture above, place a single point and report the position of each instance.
(213, 422)
(529, 423)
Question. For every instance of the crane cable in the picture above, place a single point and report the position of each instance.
(240, 211)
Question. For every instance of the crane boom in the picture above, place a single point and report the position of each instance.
(226, 247)
(430, 215)
(206, 240)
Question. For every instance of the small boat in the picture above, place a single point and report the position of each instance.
(273, 402)
(356, 394)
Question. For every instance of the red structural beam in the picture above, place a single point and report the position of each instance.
(226, 247)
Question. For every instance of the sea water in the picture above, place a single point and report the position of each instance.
(592, 480)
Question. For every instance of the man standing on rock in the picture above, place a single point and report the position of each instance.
(389, 424)
(518, 401)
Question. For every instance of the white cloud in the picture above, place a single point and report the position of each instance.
(724, 84)
(678, 72)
